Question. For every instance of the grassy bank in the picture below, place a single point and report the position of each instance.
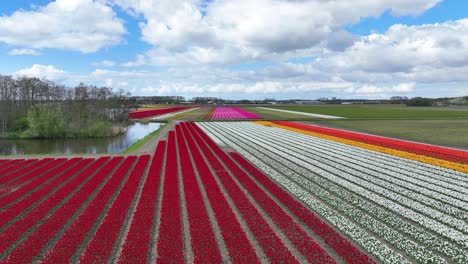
(143, 141)
(97, 129)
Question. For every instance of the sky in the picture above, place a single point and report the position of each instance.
(242, 49)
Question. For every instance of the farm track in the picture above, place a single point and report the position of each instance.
(397, 210)
(190, 202)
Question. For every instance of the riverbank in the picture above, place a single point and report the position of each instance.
(91, 146)
(102, 130)
(144, 141)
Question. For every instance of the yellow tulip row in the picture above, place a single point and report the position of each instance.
(421, 158)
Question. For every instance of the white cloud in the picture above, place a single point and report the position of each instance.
(369, 89)
(404, 87)
(139, 61)
(220, 82)
(403, 54)
(340, 40)
(405, 48)
(19, 52)
(363, 90)
(104, 63)
(234, 31)
(78, 25)
(43, 71)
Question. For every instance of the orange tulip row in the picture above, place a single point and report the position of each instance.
(421, 158)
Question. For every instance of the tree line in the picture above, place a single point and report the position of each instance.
(39, 108)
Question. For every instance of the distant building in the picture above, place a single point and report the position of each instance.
(308, 102)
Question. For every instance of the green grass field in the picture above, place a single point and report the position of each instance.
(187, 115)
(450, 133)
(267, 114)
(439, 126)
(366, 111)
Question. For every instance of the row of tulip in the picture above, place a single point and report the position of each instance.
(52, 217)
(147, 113)
(419, 187)
(234, 237)
(12, 179)
(57, 210)
(407, 155)
(284, 173)
(378, 214)
(5, 164)
(443, 174)
(386, 189)
(14, 165)
(204, 245)
(338, 243)
(19, 200)
(12, 231)
(99, 248)
(232, 113)
(331, 237)
(33, 180)
(137, 243)
(75, 235)
(412, 147)
(293, 231)
(170, 241)
(268, 239)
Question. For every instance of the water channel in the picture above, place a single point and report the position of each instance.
(115, 144)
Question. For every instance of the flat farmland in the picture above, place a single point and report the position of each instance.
(274, 115)
(370, 111)
(432, 125)
(445, 132)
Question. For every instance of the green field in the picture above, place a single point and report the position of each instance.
(439, 126)
(450, 133)
(366, 111)
(267, 114)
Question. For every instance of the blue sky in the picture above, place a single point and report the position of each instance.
(250, 49)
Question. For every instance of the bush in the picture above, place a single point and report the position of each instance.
(21, 124)
(55, 121)
(45, 121)
(99, 129)
(419, 101)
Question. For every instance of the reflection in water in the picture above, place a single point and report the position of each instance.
(68, 146)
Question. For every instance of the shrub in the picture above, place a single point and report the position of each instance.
(419, 101)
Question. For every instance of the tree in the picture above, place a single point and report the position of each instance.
(419, 101)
